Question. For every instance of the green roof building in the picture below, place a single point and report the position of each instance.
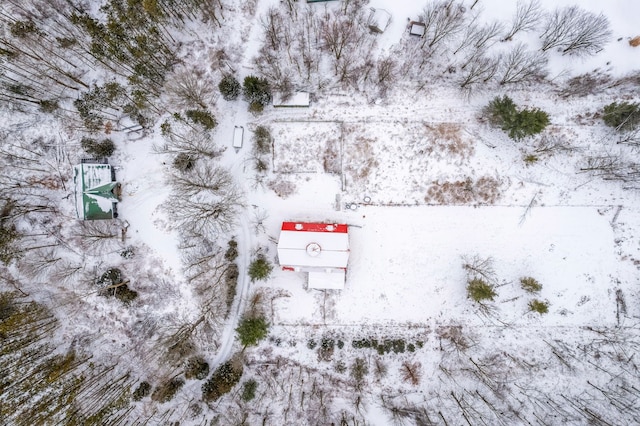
(96, 191)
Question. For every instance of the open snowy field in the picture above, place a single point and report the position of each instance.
(137, 320)
(406, 266)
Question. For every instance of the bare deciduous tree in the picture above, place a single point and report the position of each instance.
(442, 19)
(612, 167)
(575, 31)
(205, 200)
(273, 26)
(479, 267)
(551, 143)
(411, 372)
(527, 17)
(480, 70)
(98, 236)
(523, 66)
(479, 37)
(486, 35)
(191, 88)
(194, 142)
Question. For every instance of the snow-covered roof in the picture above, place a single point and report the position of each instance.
(417, 28)
(313, 246)
(379, 20)
(297, 99)
(333, 280)
(94, 191)
(238, 135)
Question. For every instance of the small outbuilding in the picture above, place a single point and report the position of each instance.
(379, 20)
(417, 29)
(96, 191)
(295, 100)
(238, 137)
(321, 249)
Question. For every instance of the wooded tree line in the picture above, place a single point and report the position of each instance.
(46, 384)
(470, 381)
(302, 40)
(54, 52)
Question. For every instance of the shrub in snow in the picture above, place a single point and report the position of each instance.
(260, 268)
(232, 251)
(166, 391)
(249, 390)
(111, 276)
(196, 368)
(359, 370)
(480, 290)
(128, 252)
(503, 112)
(252, 330)
(362, 343)
(231, 281)
(124, 294)
(184, 162)
(311, 344)
(530, 284)
(256, 108)
(98, 149)
(111, 284)
(202, 117)
(260, 165)
(325, 351)
(539, 306)
(143, 390)
(256, 90)
(262, 140)
(48, 106)
(229, 87)
(222, 380)
(622, 116)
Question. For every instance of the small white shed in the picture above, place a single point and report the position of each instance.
(238, 137)
(379, 20)
(296, 100)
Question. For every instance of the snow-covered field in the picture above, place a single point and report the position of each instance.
(426, 186)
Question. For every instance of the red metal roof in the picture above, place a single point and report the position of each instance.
(315, 227)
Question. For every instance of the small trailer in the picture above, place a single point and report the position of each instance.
(238, 136)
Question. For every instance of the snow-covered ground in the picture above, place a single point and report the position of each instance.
(441, 186)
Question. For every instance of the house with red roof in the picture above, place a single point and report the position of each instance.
(321, 249)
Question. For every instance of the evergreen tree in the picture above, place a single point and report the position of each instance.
(202, 117)
(229, 87)
(260, 268)
(99, 149)
(256, 90)
(622, 116)
(503, 112)
(480, 290)
(252, 330)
